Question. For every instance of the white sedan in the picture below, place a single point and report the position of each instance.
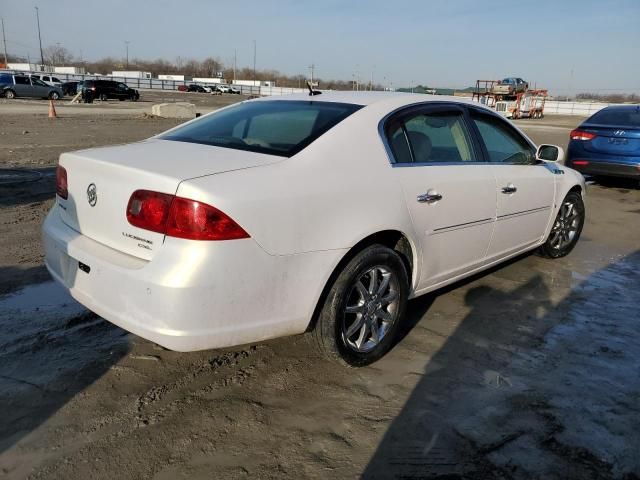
(321, 213)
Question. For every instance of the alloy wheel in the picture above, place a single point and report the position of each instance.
(371, 309)
(566, 225)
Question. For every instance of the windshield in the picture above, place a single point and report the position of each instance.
(276, 127)
(622, 117)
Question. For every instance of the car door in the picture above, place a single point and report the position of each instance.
(23, 86)
(525, 186)
(39, 88)
(450, 194)
(122, 91)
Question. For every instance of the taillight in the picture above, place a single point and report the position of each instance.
(578, 134)
(149, 210)
(62, 188)
(580, 162)
(181, 217)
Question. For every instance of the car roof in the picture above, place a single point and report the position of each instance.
(390, 99)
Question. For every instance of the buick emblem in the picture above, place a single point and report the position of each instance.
(92, 194)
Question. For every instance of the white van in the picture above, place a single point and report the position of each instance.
(48, 79)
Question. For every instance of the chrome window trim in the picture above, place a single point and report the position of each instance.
(480, 108)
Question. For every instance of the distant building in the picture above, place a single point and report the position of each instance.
(30, 67)
(175, 78)
(69, 70)
(258, 83)
(208, 80)
(131, 74)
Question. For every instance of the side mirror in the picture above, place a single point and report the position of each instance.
(550, 153)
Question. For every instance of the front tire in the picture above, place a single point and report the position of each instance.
(10, 94)
(363, 309)
(54, 96)
(566, 229)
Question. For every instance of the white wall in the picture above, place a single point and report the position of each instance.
(573, 108)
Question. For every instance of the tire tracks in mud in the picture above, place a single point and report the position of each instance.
(161, 403)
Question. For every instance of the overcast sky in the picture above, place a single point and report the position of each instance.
(580, 45)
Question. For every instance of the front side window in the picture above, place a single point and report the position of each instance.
(430, 137)
(276, 127)
(22, 80)
(503, 144)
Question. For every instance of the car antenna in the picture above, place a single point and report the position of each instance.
(312, 92)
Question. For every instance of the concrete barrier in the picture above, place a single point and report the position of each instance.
(174, 110)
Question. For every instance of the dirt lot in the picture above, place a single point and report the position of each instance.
(529, 371)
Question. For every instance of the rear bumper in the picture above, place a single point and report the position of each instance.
(192, 295)
(605, 168)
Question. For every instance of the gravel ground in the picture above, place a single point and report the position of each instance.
(531, 370)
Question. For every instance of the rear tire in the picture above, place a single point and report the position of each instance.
(566, 229)
(363, 309)
(10, 94)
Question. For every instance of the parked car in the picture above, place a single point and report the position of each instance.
(387, 196)
(106, 89)
(182, 88)
(194, 87)
(13, 86)
(510, 86)
(607, 143)
(213, 89)
(70, 88)
(224, 88)
(48, 79)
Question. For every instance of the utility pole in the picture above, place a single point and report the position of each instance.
(312, 67)
(254, 63)
(235, 63)
(126, 43)
(40, 40)
(4, 42)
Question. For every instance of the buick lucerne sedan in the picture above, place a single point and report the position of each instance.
(319, 214)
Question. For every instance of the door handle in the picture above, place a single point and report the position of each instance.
(430, 197)
(511, 188)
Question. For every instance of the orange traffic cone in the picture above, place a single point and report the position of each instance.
(52, 109)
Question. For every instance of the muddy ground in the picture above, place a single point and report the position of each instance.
(531, 370)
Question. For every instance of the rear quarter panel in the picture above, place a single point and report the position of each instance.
(331, 195)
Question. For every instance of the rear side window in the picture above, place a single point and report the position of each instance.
(22, 80)
(503, 143)
(627, 117)
(430, 137)
(276, 127)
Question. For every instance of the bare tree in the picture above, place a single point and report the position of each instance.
(57, 55)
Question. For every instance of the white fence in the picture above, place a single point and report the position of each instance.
(573, 108)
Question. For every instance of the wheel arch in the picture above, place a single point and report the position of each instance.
(393, 239)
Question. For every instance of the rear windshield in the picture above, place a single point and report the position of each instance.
(276, 127)
(627, 117)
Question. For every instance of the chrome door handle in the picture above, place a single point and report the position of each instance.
(430, 197)
(511, 188)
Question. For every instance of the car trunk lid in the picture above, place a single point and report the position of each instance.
(613, 140)
(101, 181)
